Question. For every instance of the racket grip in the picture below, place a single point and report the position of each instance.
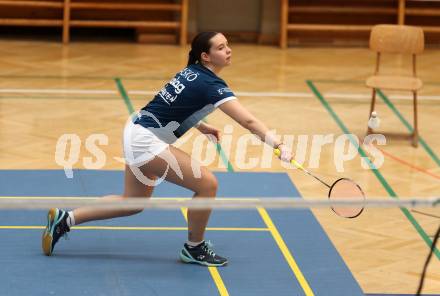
(277, 152)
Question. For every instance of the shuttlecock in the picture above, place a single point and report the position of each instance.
(374, 120)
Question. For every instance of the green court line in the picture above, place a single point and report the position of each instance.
(408, 126)
(375, 170)
(224, 158)
(124, 95)
(222, 153)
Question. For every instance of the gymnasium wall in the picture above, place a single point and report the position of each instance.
(252, 21)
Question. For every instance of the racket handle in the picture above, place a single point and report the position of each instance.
(277, 152)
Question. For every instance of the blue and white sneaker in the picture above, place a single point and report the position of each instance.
(56, 228)
(202, 254)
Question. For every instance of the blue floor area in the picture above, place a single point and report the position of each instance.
(145, 262)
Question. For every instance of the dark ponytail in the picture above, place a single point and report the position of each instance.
(192, 59)
(201, 43)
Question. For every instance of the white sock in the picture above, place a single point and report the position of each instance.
(194, 244)
(70, 219)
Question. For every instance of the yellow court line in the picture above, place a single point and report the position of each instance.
(22, 227)
(285, 250)
(249, 229)
(213, 270)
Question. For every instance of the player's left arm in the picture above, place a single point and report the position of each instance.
(246, 119)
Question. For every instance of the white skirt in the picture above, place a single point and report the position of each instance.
(140, 144)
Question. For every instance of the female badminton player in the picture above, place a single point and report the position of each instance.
(192, 94)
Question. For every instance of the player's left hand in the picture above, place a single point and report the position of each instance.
(211, 132)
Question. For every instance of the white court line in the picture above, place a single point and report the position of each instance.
(245, 94)
(57, 91)
(368, 96)
(330, 95)
(307, 95)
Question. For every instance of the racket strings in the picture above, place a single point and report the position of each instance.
(346, 189)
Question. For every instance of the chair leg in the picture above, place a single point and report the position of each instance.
(373, 103)
(415, 135)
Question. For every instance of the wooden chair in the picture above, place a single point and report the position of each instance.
(396, 39)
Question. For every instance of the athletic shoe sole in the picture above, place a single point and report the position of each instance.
(47, 238)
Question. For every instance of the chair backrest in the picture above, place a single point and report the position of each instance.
(397, 39)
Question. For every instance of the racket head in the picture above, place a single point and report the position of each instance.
(346, 189)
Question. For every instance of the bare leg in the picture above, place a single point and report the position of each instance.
(133, 188)
(205, 186)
